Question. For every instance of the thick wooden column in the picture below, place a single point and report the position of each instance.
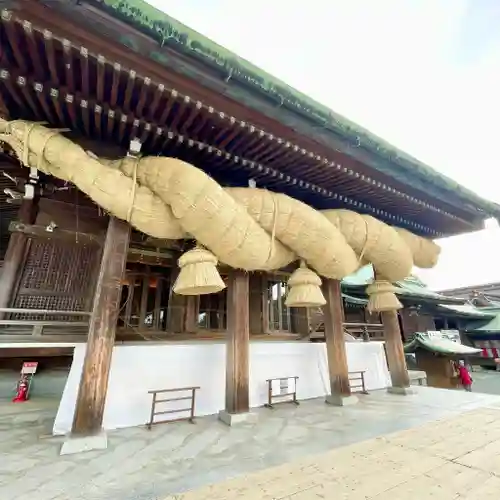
(395, 352)
(15, 255)
(96, 366)
(237, 346)
(340, 390)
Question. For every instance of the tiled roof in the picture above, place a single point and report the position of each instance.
(439, 346)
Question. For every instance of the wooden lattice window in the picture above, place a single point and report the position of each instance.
(57, 276)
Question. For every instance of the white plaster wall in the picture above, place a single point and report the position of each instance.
(136, 369)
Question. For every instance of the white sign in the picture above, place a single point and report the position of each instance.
(29, 368)
(282, 386)
(451, 335)
(434, 334)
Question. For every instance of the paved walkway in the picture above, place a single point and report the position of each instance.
(457, 458)
(175, 458)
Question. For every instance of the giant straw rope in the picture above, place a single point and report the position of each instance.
(245, 228)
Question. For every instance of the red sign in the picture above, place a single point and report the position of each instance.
(29, 367)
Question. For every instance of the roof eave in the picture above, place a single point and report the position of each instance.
(384, 157)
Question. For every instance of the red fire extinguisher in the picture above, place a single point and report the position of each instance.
(22, 390)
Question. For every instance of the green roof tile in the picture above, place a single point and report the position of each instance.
(492, 326)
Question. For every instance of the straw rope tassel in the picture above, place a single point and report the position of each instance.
(381, 296)
(305, 288)
(198, 273)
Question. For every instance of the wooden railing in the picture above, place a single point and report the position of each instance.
(42, 327)
(365, 331)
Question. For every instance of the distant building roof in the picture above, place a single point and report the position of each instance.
(486, 295)
(492, 326)
(411, 287)
(468, 310)
(356, 301)
(439, 346)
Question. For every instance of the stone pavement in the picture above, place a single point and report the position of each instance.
(175, 458)
(457, 458)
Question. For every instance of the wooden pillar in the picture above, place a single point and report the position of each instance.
(192, 311)
(300, 320)
(266, 329)
(183, 311)
(96, 366)
(176, 307)
(158, 297)
(130, 302)
(146, 279)
(16, 255)
(221, 311)
(395, 352)
(340, 389)
(237, 346)
(256, 285)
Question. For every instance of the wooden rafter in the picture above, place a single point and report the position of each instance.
(86, 115)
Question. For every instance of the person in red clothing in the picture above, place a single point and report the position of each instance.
(464, 376)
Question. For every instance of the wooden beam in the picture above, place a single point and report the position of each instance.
(15, 256)
(91, 399)
(338, 371)
(38, 231)
(395, 352)
(160, 255)
(238, 343)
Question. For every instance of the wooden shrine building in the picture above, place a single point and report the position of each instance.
(423, 309)
(119, 76)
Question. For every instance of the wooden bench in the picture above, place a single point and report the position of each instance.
(365, 331)
(190, 409)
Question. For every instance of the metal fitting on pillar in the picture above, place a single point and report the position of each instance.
(134, 148)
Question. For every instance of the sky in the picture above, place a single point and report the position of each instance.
(422, 74)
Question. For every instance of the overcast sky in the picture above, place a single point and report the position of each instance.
(423, 74)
